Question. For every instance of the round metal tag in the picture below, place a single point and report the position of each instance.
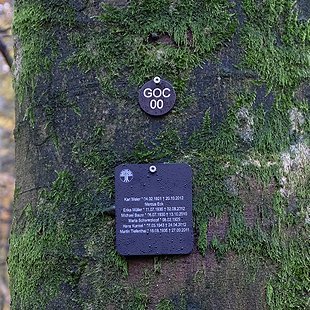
(157, 97)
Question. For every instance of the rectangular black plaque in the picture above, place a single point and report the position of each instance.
(153, 209)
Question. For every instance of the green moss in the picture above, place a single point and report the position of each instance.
(39, 253)
(287, 288)
(276, 43)
(151, 37)
(139, 301)
(165, 304)
(202, 237)
(157, 264)
(106, 271)
(220, 155)
(35, 259)
(35, 24)
(214, 159)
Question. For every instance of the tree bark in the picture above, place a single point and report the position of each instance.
(241, 120)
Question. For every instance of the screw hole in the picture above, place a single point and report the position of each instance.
(153, 169)
(156, 80)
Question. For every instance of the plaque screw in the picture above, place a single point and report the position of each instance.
(153, 169)
(156, 80)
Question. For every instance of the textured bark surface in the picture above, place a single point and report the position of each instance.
(241, 121)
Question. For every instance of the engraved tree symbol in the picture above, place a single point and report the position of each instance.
(126, 175)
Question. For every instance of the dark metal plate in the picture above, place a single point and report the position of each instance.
(153, 209)
(157, 97)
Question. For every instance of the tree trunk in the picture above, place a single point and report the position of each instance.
(241, 120)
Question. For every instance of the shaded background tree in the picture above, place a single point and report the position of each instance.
(6, 144)
(241, 73)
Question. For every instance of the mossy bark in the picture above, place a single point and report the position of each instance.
(241, 120)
